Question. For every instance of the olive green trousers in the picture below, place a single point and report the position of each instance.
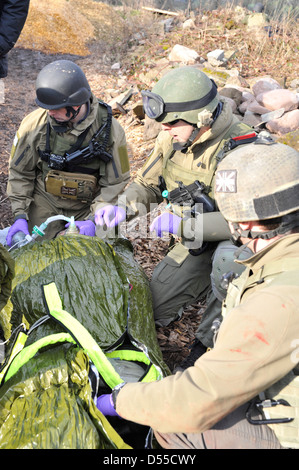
(179, 280)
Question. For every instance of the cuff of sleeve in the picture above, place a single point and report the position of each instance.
(21, 216)
(115, 393)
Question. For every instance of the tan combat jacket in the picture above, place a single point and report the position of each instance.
(198, 163)
(257, 346)
(27, 172)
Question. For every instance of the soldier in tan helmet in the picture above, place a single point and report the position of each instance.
(67, 155)
(244, 392)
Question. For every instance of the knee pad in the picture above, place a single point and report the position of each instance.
(224, 269)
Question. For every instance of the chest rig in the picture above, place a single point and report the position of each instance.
(74, 174)
(76, 156)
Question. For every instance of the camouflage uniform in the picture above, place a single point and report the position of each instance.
(27, 171)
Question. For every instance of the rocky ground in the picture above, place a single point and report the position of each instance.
(107, 82)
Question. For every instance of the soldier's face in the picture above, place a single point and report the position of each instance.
(179, 130)
(61, 114)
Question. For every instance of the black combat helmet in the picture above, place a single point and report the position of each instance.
(61, 84)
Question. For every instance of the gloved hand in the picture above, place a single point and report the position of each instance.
(105, 405)
(86, 227)
(20, 225)
(110, 215)
(166, 222)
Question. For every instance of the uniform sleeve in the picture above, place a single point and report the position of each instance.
(12, 20)
(117, 174)
(139, 197)
(22, 170)
(254, 350)
(207, 227)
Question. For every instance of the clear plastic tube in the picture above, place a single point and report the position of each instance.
(40, 231)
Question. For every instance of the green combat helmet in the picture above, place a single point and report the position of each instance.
(183, 93)
(61, 84)
(257, 182)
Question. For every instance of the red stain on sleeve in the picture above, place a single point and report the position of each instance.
(261, 337)
(256, 334)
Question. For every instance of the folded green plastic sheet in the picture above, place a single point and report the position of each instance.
(6, 275)
(47, 403)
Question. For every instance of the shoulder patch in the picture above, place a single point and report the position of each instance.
(14, 145)
(226, 181)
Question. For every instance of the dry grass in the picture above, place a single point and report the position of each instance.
(71, 26)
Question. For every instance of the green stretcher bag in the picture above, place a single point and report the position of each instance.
(77, 322)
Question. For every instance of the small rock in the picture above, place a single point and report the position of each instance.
(287, 123)
(151, 129)
(265, 84)
(277, 99)
(115, 66)
(232, 103)
(251, 119)
(188, 24)
(183, 54)
(272, 115)
(217, 54)
(232, 93)
(291, 139)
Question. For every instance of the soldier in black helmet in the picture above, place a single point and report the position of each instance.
(67, 156)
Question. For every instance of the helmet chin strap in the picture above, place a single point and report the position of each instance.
(288, 223)
(183, 146)
(71, 113)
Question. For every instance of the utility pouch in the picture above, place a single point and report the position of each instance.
(76, 186)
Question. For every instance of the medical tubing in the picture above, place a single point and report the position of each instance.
(39, 231)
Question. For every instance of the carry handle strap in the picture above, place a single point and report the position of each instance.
(82, 337)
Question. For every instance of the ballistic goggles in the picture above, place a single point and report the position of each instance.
(154, 105)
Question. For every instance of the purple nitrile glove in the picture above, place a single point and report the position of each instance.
(105, 405)
(86, 227)
(110, 215)
(166, 222)
(20, 225)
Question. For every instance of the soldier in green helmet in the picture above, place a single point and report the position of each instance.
(244, 392)
(67, 155)
(197, 127)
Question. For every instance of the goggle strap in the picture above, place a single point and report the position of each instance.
(192, 105)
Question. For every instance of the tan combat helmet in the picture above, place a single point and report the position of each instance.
(259, 181)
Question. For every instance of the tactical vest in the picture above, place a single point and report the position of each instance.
(286, 389)
(57, 144)
(204, 173)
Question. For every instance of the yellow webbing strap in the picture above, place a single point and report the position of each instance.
(130, 355)
(18, 346)
(81, 335)
(28, 352)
